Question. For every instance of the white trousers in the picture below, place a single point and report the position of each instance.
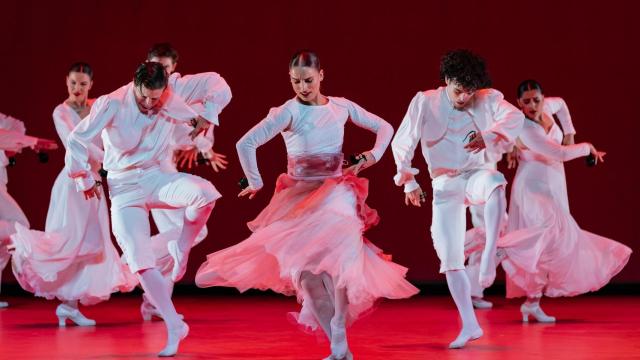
(451, 196)
(135, 192)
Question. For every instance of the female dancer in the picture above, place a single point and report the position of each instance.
(73, 259)
(570, 261)
(12, 140)
(308, 241)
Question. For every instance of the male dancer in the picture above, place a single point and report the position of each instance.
(464, 127)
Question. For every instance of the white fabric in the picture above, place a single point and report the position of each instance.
(136, 191)
(451, 196)
(428, 121)
(12, 124)
(131, 139)
(557, 106)
(309, 130)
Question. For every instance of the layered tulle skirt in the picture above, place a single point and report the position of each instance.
(317, 227)
(75, 258)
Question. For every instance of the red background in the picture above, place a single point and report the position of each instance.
(376, 54)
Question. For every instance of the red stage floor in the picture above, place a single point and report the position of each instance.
(255, 327)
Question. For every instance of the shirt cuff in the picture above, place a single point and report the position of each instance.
(411, 186)
(210, 112)
(84, 183)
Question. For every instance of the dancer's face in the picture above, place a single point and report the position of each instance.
(460, 96)
(531, 103)
(167, 63)
(78, 86)
(306, 83)
(148, 99)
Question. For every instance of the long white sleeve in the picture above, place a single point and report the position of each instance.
(11, 124)
(64, 124)
(405, 142)
(557, 106)
(80, 139)
(276, 121)
(208, 89)
(373, 123)
(536, 141)
(15, 141)
(504, 131)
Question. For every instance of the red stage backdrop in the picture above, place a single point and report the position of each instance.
(378, 54)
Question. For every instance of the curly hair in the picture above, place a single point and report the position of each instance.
(465, 68)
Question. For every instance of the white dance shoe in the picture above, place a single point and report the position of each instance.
(65, 312)
(148, 311)
(3, 304)
(339, 346)
(466, 336)
(480, 303)
(179, 260)
(528, 309)
(174, 336)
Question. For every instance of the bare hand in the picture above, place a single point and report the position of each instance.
(355, 169)
(199, 125)
(476, 144)
(512, 158)
(216, 160)
(599, 155)
(248, 191)
(94, 191)
(188, 157)
(568, 139)
(415, 198)
(45, 144)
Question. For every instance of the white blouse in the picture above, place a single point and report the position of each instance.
(309, 130)
(131, 138)
(429, 120)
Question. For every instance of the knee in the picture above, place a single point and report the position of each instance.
(206, 194)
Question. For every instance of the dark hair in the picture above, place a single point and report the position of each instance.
(81, 67)
(163, 50)
(465, 68)
(528, 85)
(305, 58)
(151, 75)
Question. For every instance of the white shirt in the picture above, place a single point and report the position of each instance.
(11, 141)
(131, 138)
(428, 121)
(557, 106)
(207, 94)
(309, 130)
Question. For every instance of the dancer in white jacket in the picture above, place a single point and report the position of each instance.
(464, 127)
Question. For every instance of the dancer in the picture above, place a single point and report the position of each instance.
(136, 123)
(207, 93)
(74, 259)
(464, 128)
(568, 260)
(12, 141)
(308, 241)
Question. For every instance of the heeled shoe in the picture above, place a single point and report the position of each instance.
(339, 346)
(480, 303)
(465, 337)
(536, 311)
(174, 336)
(179, 260)
(64, 313)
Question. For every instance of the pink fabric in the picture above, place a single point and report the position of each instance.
(311, 226)
(567, 260)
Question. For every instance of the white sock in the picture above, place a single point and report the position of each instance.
(460, 292)
(156, 289)
(493, 212)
